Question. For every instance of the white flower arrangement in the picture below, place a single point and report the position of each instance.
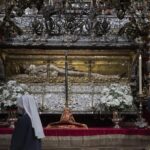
(115, 97)
(9, 93)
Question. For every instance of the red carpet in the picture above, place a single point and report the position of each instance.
(87, 132)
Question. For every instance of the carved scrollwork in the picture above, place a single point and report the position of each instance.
(104, 27)
(131, 29)
(49, 24)
(37, 27)
(135, 28)
(8, 28)
(120, 14)
(75, 18)
(70, 23)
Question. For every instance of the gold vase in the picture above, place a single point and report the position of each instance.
(116, 119)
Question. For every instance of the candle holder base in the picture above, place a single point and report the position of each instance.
(116, 122)
(141, 122)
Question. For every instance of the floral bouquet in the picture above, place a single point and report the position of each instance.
(9, 93)
(115, 97)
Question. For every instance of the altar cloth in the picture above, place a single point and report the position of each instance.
(87, 132)
(91, 138)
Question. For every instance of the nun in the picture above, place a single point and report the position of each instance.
(28, 131)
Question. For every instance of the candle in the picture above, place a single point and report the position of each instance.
(50, 2)
(140, 74)
(91, 4)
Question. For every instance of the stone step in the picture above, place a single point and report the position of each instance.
(98, 148)
(113, 142)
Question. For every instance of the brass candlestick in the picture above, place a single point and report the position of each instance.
(141, 97)
(141, 123)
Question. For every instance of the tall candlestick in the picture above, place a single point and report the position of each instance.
(140, 74)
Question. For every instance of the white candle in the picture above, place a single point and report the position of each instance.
(140, 74)
(91, 1)
(50, 2)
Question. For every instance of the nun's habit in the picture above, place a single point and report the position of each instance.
(28, 131)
